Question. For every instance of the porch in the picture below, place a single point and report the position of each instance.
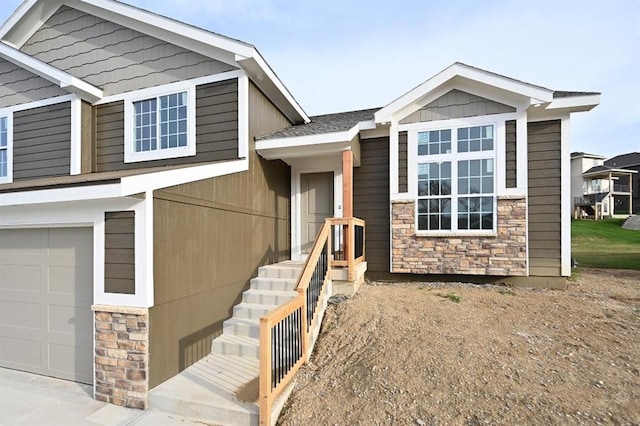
(607, 192)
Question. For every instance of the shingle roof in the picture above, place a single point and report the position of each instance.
(568, 94)
(586, 154)
(597, 169)
(321, 124)
(624, 160)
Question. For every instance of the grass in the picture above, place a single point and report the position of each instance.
(605, 244)
(451, 296)
(506, 292)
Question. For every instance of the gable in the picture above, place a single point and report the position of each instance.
(19, 86)
(113, 57)
(456, 104)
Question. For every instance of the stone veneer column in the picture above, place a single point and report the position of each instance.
(122, 355)
(502, 254)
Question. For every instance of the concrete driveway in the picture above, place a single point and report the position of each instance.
(29, 399)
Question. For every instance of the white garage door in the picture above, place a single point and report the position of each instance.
(46, 292)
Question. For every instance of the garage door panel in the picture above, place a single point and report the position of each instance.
(21, 353)
(70, 320)
(17, 315)
(46, 293)
(69, 281)
(22, 278)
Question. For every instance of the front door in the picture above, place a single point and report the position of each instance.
(316, 205)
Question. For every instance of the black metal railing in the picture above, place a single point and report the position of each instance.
(286, 346)
(359, 241)
(316, 283)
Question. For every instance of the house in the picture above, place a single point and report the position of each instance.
(148, 168)
(600, 188)
(631, 162)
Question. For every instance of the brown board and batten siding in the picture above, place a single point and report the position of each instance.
(544, 206)
(210, 238)
(216, 130)
(371, 201)
(42, 142)
(511, 154)
(403, 169)
(19, 86)
(119, 252)
(112, 57)
(456, 104)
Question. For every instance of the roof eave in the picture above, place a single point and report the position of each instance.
(575, 103)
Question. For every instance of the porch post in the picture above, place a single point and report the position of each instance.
(347, 183)
(630, 194)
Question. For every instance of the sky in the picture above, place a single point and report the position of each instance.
(342, 55)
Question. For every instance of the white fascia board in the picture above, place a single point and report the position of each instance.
(64, 80)
(266, 79)
(19, 13)
(536, 93)
(575, 103)
(128, 186)
(205, 42)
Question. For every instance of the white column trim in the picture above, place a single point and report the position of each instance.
(76, 137)
(522, 141)
(565, 193)
(393, 159)
(243, 116)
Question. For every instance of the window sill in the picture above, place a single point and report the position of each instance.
(160, 154)
(456, 234)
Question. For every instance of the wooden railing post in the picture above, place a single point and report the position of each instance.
(352, 253)
(265, 372)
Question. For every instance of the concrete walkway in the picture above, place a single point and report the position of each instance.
(29, 399)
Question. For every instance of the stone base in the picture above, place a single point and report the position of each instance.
(122, 355)
(342, 285)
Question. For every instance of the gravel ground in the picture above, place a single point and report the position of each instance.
(439, 354)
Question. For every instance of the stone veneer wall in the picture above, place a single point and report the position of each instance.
(122, 355)
(502, 255)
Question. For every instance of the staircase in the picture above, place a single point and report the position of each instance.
(632, 222)
(207, 390)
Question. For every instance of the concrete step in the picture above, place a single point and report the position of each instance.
(268, 297)
(242, 327)
(240, 346)
(206, 391)
(281, 270)
(252, 310)
(276, 284)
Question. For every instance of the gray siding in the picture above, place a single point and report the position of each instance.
(371, 201)
(457, 104)
(42, 142)
(19, 86)
(511, 154)
(113, 57)
(119, 252)
(544, 198)
(216, 130)
(402, 163)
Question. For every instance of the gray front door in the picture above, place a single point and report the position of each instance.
(316, 205)
(46, 292)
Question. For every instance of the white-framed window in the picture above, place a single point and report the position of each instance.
(456, 179)
(160, 125)
(5, 149)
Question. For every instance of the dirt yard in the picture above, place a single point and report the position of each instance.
(439, 354)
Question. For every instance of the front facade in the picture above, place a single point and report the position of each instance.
(148, 168)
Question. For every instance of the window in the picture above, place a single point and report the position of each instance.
(160, 127)
(4, 149)
(456, 179)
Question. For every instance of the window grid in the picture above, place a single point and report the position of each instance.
(170, 131)
(4, 147)
(461, 188)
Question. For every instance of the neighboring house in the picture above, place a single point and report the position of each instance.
(148, 168)
(600, 188)
(630, 161)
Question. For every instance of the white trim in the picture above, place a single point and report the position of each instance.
(129, 185)
(536, 93)
(312, 165)
(38, 104)
(171, 87)
(393, 160)
(64, 80)
(522, 155)
(76, 137)
(131, 156)
(565, 191)
(243, 116)
(91, 214)
(9, 177)
(575, 103)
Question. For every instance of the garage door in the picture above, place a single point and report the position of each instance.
(46, 292)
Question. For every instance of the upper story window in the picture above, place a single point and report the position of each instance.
(160, 127)
(456, 179)
(4, 149)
